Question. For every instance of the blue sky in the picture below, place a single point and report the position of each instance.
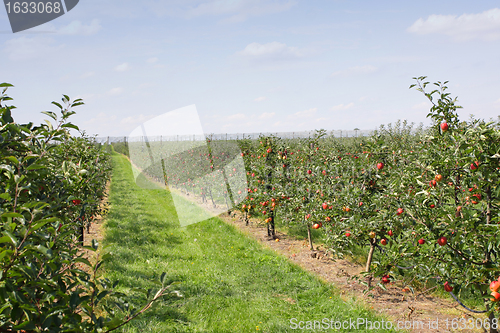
(255, 65)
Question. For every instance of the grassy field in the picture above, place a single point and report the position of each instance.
(230, 283)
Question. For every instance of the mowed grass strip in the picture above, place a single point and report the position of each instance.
(230, 283)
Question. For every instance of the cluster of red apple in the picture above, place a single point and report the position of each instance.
(494, 287)
(317, 225)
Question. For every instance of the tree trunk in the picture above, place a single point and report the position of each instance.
(270, 226)
(369, 260)
(82, 228)
(309, 237)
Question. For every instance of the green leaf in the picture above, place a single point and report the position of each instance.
(50, 114)
(90, 248)
(27, 325)
(102, 294)
(74, 300)
(49, 124)
(44, 250)
(13, 159)
(5, 239)
(84, 261)
(7, 117)
(5, 196)
(6, 85)
(36, 167)
(12, 214)
(13, 239)
(69, 125)
(41, 223)
(58, 105)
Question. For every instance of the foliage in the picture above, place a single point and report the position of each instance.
(51, 185)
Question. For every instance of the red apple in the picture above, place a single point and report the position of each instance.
(348, 234)
(324, 172)
(474, 165)
(380, 166)
(444, 127)
(447, 287)
(421, 241)
(390, 233)
(438, 178)
(432, 206)
(316, 226)
(386, 279)
(400, 211)
(432, 183)
(308, 216)
(496, 296)
(495, 285)
(442, 241)
(325, 205)
(383, 241)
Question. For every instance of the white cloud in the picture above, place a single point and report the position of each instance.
(136, 120)
(267, 115)
(304, 114)
(367, 69)
(273, 50)
(239, 10)
(152, 60)
(115, 91)
(260, 99)
(78, 28)
(86, 75)
(485, 26)
(422, 105)
(101, 118)
(24, 48)
(236, 116)
(341, 107)
(122, 67)
(497, 104)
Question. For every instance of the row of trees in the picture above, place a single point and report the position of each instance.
(428, 200)
(51, 185)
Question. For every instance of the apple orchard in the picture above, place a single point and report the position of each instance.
(422, 203)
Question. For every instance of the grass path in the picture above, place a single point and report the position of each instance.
(230, 283)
